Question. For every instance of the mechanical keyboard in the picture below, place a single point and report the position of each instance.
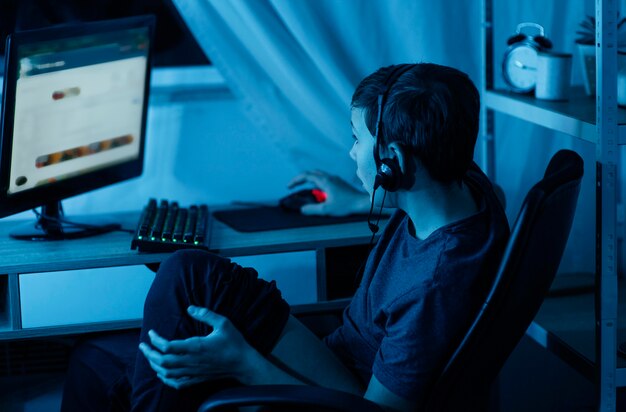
(166, 227)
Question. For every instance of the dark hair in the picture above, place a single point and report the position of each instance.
(432, 111)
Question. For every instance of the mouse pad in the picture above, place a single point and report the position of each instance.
(274, 218)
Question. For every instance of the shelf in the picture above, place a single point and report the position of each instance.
(575, 117)
(565, 325)
(9, 334)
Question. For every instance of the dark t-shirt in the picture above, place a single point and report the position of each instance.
(418, 297)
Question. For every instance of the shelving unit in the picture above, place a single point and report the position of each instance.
(593, 352)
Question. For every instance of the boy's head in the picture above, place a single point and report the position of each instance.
(430, 111)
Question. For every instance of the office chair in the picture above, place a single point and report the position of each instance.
(528, 266)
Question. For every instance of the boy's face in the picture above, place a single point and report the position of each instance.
(362, 151)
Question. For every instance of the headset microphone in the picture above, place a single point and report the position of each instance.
(373, 227)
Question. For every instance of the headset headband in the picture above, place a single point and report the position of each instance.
(390, 80)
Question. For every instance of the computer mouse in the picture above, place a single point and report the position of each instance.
(294, 201)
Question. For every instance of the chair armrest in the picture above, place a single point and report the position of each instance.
(289, 395)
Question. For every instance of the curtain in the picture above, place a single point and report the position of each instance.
(295, 64)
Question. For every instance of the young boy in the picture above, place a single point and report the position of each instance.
(209, 322)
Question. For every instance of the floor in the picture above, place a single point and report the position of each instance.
(32, 393)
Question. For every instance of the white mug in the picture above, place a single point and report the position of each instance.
(554, 72)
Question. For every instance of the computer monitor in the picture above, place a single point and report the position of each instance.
(73, 117)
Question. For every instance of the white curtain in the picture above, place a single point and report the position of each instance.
(295, 63)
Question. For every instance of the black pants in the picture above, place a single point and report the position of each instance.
(103, 371)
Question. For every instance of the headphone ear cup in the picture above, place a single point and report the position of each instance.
(389, 175)
(516, 39)
(543, 42)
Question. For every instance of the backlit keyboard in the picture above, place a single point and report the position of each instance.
(166, 227)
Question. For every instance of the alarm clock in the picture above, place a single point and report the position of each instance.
(519, 66)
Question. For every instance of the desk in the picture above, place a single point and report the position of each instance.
(113, 249)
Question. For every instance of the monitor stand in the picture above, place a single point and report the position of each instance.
(51, 225)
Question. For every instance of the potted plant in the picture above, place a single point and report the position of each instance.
(585, 43)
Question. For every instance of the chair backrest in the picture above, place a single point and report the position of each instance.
(527, 269)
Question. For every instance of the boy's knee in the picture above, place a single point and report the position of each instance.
(186, 263)
(189, 271)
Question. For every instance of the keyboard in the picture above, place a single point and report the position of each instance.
(167, 227)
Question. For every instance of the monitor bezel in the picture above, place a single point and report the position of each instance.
(12, 203)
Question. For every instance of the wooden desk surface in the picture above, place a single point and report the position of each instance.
(113, 249)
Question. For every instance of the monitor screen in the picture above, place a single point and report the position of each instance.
(74, 110)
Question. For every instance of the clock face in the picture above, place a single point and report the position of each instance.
(520, 68)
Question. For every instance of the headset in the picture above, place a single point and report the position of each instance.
(388, 171)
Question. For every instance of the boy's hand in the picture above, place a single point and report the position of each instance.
(342, 198)
(181, 363)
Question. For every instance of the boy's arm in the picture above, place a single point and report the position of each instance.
(298, 358)
(301, 353)
(378, 393)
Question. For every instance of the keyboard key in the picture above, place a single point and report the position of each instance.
(159, 219)
(170, 218)
(145, 222)
(190, 224)
(203, 214)
(179, 226)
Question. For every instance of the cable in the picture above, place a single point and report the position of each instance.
(113, 227)
(253, 204)
(374, 229)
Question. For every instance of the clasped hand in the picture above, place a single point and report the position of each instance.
(181, 363)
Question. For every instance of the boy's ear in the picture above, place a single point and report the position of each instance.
(397, 152)
(406, 162)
